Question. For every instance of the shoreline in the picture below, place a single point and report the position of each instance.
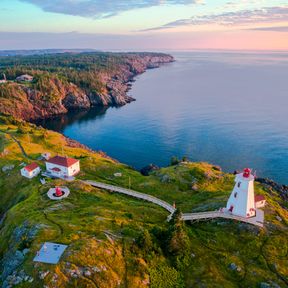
(126, 86)
(282, 189)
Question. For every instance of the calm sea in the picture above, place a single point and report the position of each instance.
(229, 109)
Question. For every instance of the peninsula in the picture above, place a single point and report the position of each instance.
(114, 240)
(45, 85)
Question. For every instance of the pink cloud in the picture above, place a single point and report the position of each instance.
(242, 17)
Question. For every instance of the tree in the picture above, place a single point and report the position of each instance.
(178, 241)
(145, 242)
(174, 161)
(176, 218)
(185, 159)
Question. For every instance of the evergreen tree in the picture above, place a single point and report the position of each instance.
(178, 241)
(145, 242)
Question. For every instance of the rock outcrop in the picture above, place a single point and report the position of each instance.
(145, 171)
(270, 184)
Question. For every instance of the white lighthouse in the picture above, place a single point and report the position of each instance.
(241, 201)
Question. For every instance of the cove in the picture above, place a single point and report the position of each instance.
(226, 108)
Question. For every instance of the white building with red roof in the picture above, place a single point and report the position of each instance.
(30, 170)
(260, 201)
(24, 78)
(62, 167)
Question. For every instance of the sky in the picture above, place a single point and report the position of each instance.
(144, 24)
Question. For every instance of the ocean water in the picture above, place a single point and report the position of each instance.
(228, 109)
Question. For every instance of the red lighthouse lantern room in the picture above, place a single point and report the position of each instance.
(246, 173)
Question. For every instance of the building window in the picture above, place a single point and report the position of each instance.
(235, 195)
(239, 184)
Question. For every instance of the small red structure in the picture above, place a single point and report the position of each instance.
(246, 173)
(58, 192)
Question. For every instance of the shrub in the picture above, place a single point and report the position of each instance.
(174, 161)
(164, 276)
(185, 159)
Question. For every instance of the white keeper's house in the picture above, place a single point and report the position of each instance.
(24, 78)
(62, 167)
(30, 170)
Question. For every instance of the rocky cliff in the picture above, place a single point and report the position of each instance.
(51, 94)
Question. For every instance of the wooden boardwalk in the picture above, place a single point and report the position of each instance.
(133, 193)
(258, 220)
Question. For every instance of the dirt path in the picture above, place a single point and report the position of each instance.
(56, 224)
(18, 143)
(20, 146)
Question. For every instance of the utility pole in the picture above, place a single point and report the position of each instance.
(129, 182)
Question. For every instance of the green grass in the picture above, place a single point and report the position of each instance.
(101, 227)
(2, 143)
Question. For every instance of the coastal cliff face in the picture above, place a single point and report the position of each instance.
(79, 87)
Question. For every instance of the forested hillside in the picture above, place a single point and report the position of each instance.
(70, 81)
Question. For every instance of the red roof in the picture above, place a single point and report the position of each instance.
(31, 167)
(62, 161)
(259, 198)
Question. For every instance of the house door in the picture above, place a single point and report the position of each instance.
(231, 208)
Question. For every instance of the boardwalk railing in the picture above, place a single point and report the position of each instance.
(258, 221)
(133, 193)
(218, 214)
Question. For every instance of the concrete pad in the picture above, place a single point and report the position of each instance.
(50, 253)
(259, 216)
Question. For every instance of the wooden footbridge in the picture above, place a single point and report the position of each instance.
(133, 193)
(258, 220)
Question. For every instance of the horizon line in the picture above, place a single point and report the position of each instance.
(148, 49)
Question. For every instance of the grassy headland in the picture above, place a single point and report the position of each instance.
(117, 241)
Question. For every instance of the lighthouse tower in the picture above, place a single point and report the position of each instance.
(241, 201)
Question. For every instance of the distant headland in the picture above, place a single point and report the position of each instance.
(69, 79)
